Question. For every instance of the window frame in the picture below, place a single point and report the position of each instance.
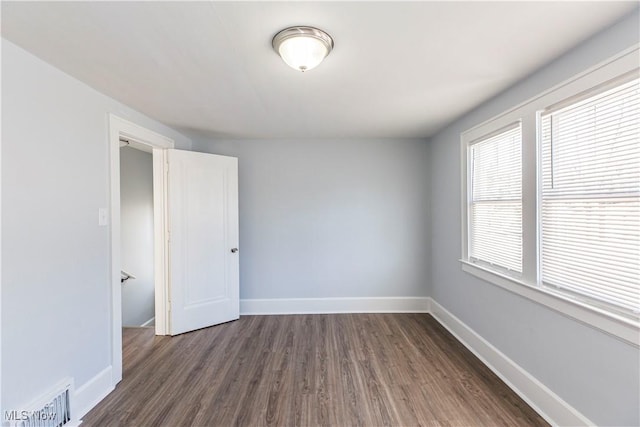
(529, 283)
(476, 261)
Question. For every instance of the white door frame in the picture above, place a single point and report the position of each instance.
(149, 141)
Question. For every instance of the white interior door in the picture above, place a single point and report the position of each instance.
(202, 207)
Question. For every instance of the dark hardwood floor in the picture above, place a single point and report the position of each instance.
(307, 370)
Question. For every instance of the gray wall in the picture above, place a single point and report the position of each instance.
(597, 374)
(331, 218)
(56, 289)
(136, 222)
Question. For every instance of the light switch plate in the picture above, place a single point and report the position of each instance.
(103, 217)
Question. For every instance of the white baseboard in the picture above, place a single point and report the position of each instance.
(544, 401)
(334, 305)
(148, 322)
(92, 392)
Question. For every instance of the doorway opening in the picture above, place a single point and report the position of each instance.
(136, 238)
(144, 141)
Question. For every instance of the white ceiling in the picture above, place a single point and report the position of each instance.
(399, 69)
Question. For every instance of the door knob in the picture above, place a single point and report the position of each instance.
(234, 250)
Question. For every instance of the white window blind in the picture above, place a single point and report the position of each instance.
(495, 210)
(590, 197)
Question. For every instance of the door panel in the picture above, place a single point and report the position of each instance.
(203, 228)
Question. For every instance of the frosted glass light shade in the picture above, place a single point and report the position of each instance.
(302, 53)
(302, 48)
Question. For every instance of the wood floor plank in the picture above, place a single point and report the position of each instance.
(308, 370)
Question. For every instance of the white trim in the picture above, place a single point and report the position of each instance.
(334, 305)
(146, 139)
(626, 329)
(544, 401)
(91, 393)
(138, 133)
(160, 245)
(148, 322)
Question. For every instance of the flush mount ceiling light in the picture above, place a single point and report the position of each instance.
(302, 48)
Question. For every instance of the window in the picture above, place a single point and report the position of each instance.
(495, 208)
(590, 197)
(551, 198)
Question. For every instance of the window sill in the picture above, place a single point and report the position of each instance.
(620, 327)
